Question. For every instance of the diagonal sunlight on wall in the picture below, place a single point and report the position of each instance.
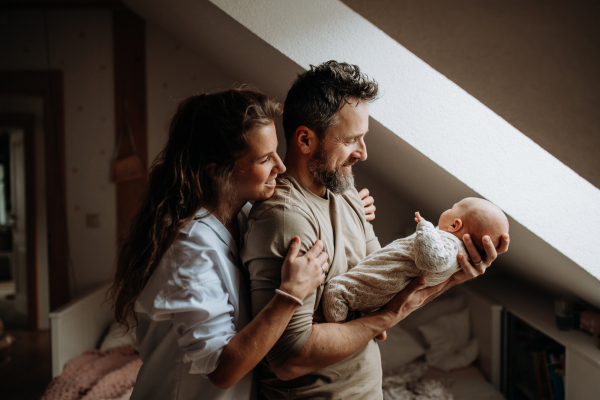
(440, 120)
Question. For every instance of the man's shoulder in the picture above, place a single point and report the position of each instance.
(287, 199)
(352, 197)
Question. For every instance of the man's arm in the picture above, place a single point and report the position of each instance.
(331, 343)
(266, 239)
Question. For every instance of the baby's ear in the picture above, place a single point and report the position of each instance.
(456, 225)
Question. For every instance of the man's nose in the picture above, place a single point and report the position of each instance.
(361, 152)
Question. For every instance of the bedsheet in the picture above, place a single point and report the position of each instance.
(418, 381)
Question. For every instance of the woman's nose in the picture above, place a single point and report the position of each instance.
(279, 166)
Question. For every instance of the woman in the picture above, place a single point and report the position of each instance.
(178, 273)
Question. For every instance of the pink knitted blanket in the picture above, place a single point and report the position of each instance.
(97, 375)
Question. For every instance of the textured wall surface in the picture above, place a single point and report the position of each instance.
(79, 44)
(174, 72)
(534, 63)
(441, 120)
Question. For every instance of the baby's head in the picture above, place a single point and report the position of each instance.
(477, 217)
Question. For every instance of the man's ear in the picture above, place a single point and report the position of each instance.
(306, 139)
(456, 225)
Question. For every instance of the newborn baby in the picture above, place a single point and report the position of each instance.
(430, 252)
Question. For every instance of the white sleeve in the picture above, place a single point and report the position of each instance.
(203, 320)
(432, 252)
(192, 288)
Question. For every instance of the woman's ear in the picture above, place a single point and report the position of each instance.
(455, 226)
(210, 169)
(306, 139)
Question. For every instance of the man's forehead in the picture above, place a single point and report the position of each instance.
(355, 116)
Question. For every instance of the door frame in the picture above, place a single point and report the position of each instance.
(26, 122)
(48, 85)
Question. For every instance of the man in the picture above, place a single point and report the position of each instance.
(326, 118)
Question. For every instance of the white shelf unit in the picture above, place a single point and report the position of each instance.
(582, 356)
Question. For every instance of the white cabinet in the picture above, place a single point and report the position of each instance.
(535, 308)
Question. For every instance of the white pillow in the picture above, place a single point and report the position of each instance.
(443, 305)
(118, 336)
(448, 339)
(398, 349)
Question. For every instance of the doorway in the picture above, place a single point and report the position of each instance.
(19, 293)
(47, 86)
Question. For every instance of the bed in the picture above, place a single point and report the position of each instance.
(93, 357)
(80, 326)
(469, 370)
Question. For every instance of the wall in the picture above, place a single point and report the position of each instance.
(174, 72)
(80, 44)
(534, 63)
(394, 216)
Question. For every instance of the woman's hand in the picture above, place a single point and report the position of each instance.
(480, 264)
(368, 204)
(301, 276)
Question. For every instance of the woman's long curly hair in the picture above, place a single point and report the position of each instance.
(207, 128)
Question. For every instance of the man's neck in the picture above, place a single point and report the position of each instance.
(299, 167)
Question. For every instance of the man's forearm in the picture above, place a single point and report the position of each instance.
(330, 343)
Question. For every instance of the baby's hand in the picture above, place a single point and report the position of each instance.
(418, 217)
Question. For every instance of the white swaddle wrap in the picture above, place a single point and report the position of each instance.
(429, 252)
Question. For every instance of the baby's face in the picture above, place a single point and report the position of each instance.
(449, 216)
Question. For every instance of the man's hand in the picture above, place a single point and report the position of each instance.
(368, 203)
(412, 297)
(480, 264)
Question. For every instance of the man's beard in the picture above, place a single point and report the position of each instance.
(334, 178)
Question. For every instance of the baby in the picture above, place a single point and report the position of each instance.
(430, 252)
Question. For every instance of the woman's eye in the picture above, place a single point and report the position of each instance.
(267, 158)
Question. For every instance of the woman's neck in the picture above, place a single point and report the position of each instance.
(229, 219)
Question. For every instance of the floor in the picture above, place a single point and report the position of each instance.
(8, 312)
(29, 370)
(26, 367)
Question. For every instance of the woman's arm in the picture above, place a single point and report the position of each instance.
(300, 277)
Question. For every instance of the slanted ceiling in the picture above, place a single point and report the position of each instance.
(429, 139)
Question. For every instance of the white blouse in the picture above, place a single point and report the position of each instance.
(193, 304)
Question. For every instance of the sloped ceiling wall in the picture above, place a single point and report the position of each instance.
(534, 63)
(423, 123)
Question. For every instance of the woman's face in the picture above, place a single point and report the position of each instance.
(256, 170)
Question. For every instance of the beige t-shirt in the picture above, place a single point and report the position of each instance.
(339, 221)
